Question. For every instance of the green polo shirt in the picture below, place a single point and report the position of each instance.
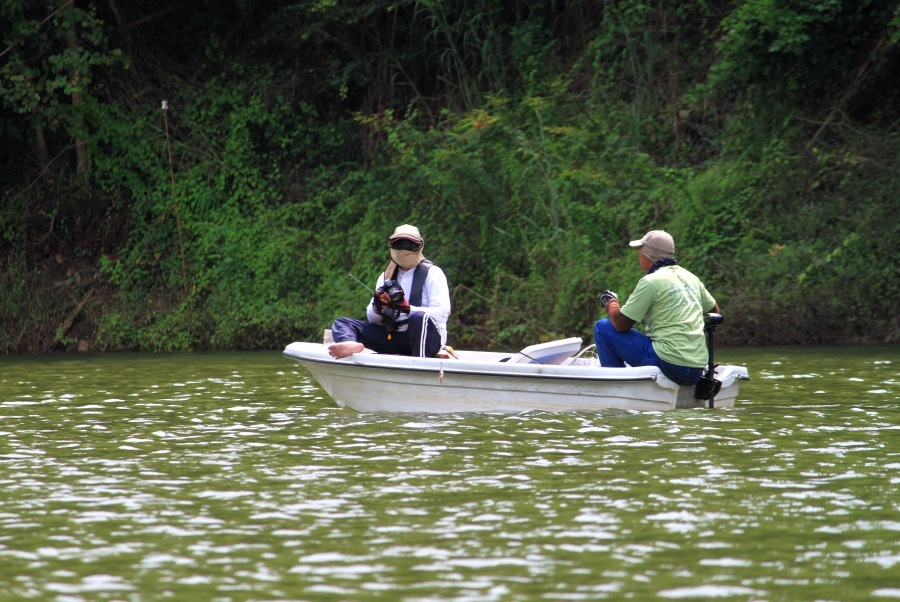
(671, 302)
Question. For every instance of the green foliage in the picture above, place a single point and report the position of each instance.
(804, 53)
(244, 249)
(813, 263)
(528, 141)
(520, 205)
(50, 59)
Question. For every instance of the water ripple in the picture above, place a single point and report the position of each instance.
(139, 477)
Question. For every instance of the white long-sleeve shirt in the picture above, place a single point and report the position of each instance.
(435, 297)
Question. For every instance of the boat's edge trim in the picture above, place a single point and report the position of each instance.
(447, 371)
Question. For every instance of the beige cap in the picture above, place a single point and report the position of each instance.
(658, 243)
(408, 232)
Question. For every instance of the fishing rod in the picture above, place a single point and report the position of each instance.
(495, 341)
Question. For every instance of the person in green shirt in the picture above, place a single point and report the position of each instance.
(670, 301)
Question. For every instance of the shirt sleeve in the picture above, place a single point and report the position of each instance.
(707, 300)
(639, 301)
(370, 309)
(436, 295)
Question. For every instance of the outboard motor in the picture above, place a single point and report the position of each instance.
(708, 386)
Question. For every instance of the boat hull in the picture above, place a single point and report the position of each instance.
(483, 382)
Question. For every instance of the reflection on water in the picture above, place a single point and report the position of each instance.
(233, 477)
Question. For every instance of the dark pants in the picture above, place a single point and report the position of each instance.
(420, 339)
(615, 349)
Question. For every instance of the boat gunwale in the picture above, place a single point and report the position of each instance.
(484, 373)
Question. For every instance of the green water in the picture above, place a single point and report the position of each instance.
(233, 477)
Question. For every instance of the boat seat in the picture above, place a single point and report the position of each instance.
(550, 353)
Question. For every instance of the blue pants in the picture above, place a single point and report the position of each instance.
(615, 349)
(420, 339)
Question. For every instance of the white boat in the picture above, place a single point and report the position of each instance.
(557, 376)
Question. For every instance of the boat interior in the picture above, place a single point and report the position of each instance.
(553, 353)
(550, 353)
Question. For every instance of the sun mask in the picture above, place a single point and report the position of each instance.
(406, 259)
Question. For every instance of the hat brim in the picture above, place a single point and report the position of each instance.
(637, 243)
(409, 237)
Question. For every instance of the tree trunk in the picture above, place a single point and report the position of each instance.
(77, 100)
(40, 142)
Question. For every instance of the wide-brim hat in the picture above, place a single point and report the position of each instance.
(407, 232)
(659, 241)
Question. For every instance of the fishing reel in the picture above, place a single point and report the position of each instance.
(394, 291)
(397, 296)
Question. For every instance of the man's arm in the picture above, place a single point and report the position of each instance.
(620, 321)
(436, 295)
(371, 315)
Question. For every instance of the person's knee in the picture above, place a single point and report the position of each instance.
(603, 327)
(604, 323)
(340, 322)
(343, 329)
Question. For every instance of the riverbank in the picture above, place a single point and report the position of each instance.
(528, 142)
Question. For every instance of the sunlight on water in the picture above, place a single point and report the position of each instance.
(234, 477)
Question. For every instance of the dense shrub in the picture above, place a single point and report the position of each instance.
(528, 141)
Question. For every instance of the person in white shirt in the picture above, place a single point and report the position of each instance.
(409, 312)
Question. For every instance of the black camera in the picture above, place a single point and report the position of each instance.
(394, 291)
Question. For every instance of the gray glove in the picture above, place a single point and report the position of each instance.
(606, 297)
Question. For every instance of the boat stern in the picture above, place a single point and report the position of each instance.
(730, 377)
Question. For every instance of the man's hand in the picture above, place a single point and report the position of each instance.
(606, 297)
(403, 306)
(379, 300)
(382, 297)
